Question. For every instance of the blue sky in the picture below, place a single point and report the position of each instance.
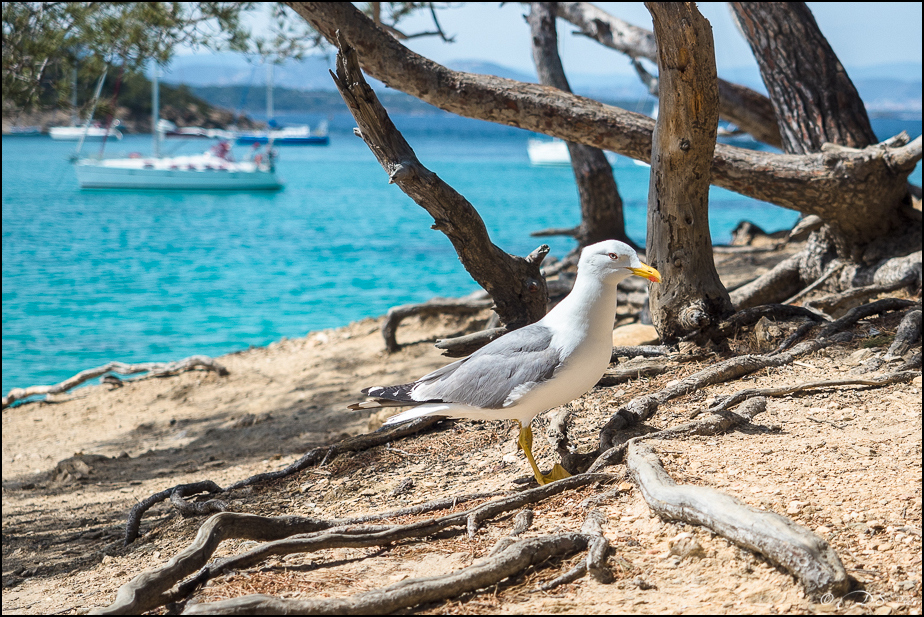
(861, 33)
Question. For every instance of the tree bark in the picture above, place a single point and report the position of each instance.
(813, 184)
(691, 298)
(601, 206)
(515, 284)
(749, 110)
(817, 105)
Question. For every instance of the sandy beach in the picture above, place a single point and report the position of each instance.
(844, 463)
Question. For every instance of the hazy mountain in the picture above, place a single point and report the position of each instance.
(885, 87)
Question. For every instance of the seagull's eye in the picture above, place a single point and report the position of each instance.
(613, 256)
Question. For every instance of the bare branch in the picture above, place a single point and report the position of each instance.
(153, 369)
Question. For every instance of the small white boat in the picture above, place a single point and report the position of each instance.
(212, 171)
(76, 133)
(545, 152)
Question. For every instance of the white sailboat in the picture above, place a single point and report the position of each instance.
(215, 170)
(89, 131)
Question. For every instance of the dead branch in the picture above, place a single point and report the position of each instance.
(149, 589)
(808, 557)
(834, 303)
(154, 369)
(435, 306)
(187, 509)
(635, 369)
(134, 516)
(514, 283)
(595, 560)
(750, 316)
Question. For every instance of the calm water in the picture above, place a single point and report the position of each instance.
(94, 276)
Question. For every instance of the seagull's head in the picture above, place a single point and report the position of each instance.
(613, 261)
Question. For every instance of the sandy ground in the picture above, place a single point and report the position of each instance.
(845, 463)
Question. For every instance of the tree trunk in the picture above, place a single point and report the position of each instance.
(817, 104)
(690, 297)
(601, 205)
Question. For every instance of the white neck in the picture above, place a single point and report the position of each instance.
(591, 305)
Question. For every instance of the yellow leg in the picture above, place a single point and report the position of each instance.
(525, 442)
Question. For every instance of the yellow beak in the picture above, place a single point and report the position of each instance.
(647, 272)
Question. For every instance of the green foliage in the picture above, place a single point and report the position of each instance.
(43, 40)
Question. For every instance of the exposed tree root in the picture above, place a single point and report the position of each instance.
(908, 333)
(150, 589)
(717, 422)
(483, 573)
(317, 456)
(748, 393)
(808, 557)
(153, 369)
(641, 408)
(437, 306)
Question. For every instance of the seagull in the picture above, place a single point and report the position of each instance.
(534, 368)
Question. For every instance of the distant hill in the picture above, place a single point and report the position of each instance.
(886, 87)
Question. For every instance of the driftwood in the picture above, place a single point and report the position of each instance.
(151, 589)
(153, 369)
(793, 547)
(435, 306)
(742, 395)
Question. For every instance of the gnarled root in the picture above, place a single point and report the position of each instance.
(806, 556)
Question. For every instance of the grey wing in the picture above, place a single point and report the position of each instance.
(520, 359)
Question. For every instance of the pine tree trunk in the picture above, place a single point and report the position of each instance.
(690, 297)
(817, 104)
(601, 206)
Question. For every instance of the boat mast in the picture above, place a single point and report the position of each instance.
(269, 93)
(155, 110)
(74, 96)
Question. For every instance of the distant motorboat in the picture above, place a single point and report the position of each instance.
(288, 136)
(76, 133)
(548, 152)
(555, 152)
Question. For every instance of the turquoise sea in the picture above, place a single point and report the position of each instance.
(94, 276)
